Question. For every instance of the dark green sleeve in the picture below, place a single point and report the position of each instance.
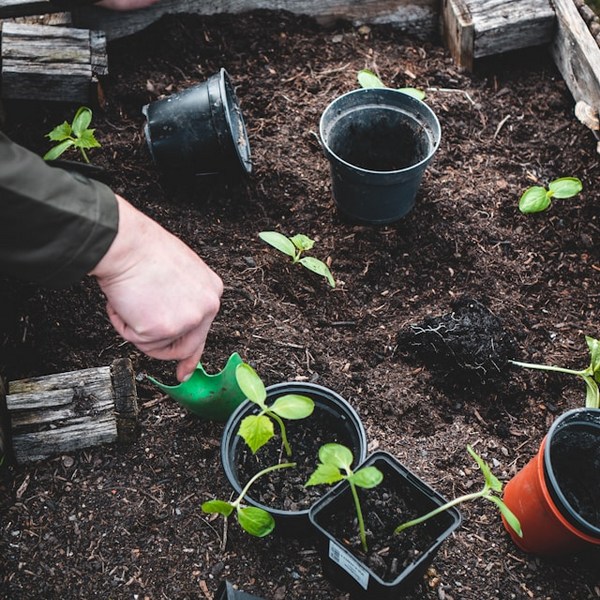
(55, 226)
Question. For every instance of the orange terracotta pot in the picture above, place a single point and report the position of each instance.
(550, 525)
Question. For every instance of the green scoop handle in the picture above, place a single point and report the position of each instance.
(212, 397)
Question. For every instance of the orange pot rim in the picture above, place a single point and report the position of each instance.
(543, 457)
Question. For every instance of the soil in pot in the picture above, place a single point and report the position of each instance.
(384, 508)
(284, 489)
(575, 454)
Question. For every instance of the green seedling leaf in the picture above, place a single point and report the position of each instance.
(302, 242)
(565, 187)
(251, 384)
(218, 506)
(255, 521)
(414, 92)
(293, 407)
(336, 455)
(325, 474)
(87, 140)
(594, 347)
(319, 267)
(367, 477)
(60, 132)
(81, 121)
(368, 79)
(278, 241)
(256, 430)
(55, 152)
(508, 515)
(534, 200)
(490, 479)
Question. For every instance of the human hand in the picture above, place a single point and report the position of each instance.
(161, 296)
(123, 5)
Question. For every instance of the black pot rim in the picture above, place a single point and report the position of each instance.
(334, 492)
(289, 387)
(574, 417)
(395, 98)
(229, 103)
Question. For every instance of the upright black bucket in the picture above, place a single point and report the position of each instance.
(200, 130)
(378, 142)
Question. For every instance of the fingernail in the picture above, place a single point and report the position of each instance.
(186, 377)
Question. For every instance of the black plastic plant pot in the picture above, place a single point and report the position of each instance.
(199, 131)
(379, 142)
(226, 591)
(333, 420)
(401, 559)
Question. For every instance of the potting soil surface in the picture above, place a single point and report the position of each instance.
(125, 522)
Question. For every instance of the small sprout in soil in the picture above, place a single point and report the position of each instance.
(491, 491)
(76, 134)
(294, 247)
(537, 198)
(368, 79)
(257, 430)
(336, 465)
(254, 520)
(591, 375)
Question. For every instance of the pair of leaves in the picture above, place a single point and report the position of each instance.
(368, 79)
(76, 134)
(294, 247)
(336, 465)
(255, 521)
(257, 430)
(537, 198)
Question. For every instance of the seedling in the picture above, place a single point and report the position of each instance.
(336, 465)
(294, 247)
(537, 198)
(491, 491)
(76, 134)
(257, 430)
(368, 79)
(254, 520)
(591, 375)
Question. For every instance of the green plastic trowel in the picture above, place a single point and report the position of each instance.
(212, 397)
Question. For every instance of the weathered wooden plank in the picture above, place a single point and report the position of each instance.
(478, 28)
(576, 54)
(69, 379)
(458, 32)
(73, 410)
(51, 62)
(420, 16)
(29, 447)
(126, 405)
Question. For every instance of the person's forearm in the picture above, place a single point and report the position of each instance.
(54, 226)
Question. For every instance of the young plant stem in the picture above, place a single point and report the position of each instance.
(439, 510)
(256, 476)
(361, 522)
(284, 440)
(85, 156)
(545, 368)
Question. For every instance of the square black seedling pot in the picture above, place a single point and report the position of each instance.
(346, 570)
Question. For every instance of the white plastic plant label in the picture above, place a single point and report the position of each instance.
(351, 565)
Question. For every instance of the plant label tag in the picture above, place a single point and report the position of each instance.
(349, 563)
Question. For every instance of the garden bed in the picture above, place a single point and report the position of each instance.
(126, 522)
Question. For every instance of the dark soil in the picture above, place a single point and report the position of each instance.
(125, 522)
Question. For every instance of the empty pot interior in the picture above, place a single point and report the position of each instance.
(379, 138)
